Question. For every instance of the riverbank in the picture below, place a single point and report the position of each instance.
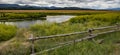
(21, 16)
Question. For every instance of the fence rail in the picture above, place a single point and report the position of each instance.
(90, 36)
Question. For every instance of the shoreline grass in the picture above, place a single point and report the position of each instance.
(21, 16)
(20, 46)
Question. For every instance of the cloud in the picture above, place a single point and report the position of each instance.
(98, 4)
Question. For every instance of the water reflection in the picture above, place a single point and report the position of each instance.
(27, 23)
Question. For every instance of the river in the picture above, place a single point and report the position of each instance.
(49, 19)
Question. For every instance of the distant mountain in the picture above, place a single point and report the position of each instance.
(114, 9)
(8, 5)
(27, 7)
(14, 7)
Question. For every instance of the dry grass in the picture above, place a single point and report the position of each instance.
(56, 11)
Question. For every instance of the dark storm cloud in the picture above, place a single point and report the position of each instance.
(67, 3)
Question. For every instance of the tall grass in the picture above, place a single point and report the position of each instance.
(17, 45)
(7, 32)
(75, 24)
(112, 18)
(90, 47)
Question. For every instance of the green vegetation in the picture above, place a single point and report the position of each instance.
(19, 45)
(91, 47)
(16, 46)
(17, 16)
(83, 22)
(7, 32)
(75, 24)
(112, 18)
(21, 16)
(73, 13)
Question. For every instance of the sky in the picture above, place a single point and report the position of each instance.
(95, 4)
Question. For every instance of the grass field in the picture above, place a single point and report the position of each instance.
(110, 46)
(16, 44)
(61, 12)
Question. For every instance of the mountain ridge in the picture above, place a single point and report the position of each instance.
(27, 7)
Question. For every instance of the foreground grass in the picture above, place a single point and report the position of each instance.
(19, 46)
(16, 46)
(91, 47)
(74, 25)
(7, 32)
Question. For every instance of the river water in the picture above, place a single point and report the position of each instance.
(49, 19)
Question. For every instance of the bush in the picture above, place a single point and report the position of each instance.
(111, 18)
(7, 32)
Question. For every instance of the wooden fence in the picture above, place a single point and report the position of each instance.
(90, 36)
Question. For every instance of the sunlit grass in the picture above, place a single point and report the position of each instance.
(7, 32)
(91, 47)
(20, 46)
(21, 16)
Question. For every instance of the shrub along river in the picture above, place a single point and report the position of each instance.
(49, 19)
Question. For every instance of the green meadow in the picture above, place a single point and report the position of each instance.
(13, 40)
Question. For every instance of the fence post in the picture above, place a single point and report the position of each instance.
(74, 43)
(117, 27)
(90, 31)
(32, 45)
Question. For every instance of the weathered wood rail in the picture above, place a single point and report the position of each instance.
(90, 36)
